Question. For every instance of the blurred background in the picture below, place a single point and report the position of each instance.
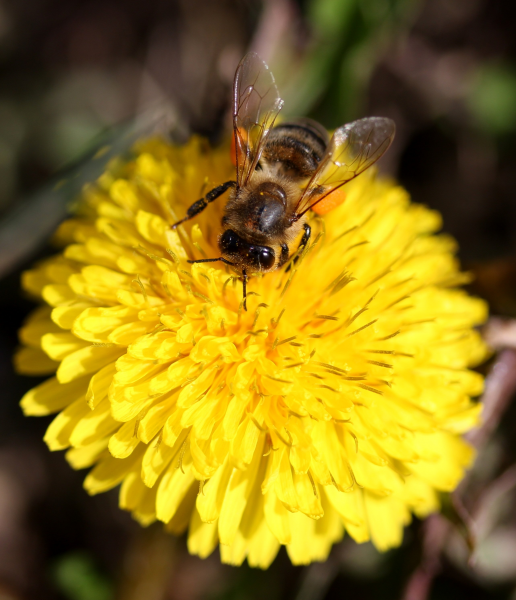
(75, 73)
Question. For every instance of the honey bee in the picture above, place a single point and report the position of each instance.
(282, 171)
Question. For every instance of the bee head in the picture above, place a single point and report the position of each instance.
(248, 255)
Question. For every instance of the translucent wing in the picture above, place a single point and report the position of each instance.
(256, 106)
(352, 149)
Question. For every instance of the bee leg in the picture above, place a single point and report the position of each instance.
(198, 206)
(244, 278)
(244, 273)
(306, 236)
(304, 241)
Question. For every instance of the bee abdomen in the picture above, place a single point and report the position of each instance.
(298, 147)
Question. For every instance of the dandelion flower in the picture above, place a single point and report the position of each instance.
(334, 405)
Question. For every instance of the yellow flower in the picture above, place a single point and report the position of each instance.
(335, 404)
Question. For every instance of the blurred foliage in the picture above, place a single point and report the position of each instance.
(77, 577)
(493, 99)
(347, 38)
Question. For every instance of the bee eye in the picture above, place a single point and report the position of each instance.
(230, 242)
(265, 257)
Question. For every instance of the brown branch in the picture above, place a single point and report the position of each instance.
(500, 388)
(435, 532)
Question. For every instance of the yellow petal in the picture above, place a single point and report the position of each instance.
(203, 467)
(34, 281)
(236, 553)
(86, 456)
(110, 472)
(239, 489)
(59, 345)
(386, 517)
(312, 540)
(145, 512)
(173, 487)
(64, 316)
(277, 517)
(36, 326)
(96, 324)
(327, 443)
(178, 524)
(447, 468)
(209, 502)
(124, 440)
(99, 385)
(58, 294)
(152, 228)
(51, 396)
(132, 490)
(156, 459)
(153, 421)
(130, 332)
(124, 194)
(33, 361)
(96, 424)
(307, 496)
(85, 361)
(350, 507)
(202, 537)
(57, 436)
(263, 547)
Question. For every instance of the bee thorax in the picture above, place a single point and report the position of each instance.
(267, 204)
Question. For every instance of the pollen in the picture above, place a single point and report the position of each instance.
(334, 405)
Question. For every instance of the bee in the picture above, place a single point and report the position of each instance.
(283, 171)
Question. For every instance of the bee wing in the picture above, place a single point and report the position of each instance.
(255, 108)
(352, 149)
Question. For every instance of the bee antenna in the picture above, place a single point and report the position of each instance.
(205, 260)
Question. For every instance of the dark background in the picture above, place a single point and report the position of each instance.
(73, 71)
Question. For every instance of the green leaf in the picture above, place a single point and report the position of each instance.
(77, 577)
(492, 100)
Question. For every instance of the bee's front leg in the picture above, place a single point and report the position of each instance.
(198, 206)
